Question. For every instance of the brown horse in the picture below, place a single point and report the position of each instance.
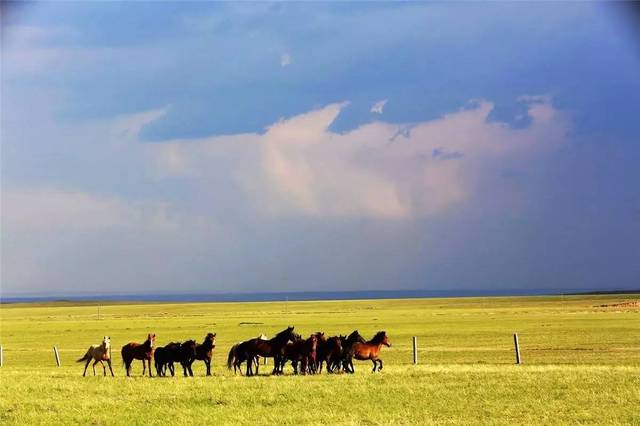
(98, 353)
(204, 351)
(142, 351)
(272, 348)
(371, 349)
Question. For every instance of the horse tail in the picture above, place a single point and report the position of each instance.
(232, 356)
(85, 357)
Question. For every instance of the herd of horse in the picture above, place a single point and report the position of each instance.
(306, 355)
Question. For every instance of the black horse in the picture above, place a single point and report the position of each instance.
(348, 351)
(183, 353)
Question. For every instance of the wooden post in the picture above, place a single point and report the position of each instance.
(57, 355)
(265, 361)
(517, 347)
(415, 350)
(1, 356)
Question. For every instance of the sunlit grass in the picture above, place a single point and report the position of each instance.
(582, 363)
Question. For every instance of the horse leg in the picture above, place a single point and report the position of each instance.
(380, 362)
(110, 369)
(150, 372)
(207, 363)
(375, 365)
(85, 367)
(104, 369)
(191, 369)
(94, 366)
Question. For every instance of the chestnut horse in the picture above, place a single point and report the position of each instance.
(142, 351)
(272, 348)
(371, 349)
(98, 353)
(204, 351)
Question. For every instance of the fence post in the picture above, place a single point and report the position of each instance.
(517, 347)
(265, 361)
(1, 356)
(415, 350)
(57, 355)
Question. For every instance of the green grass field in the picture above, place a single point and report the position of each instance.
(581, 363)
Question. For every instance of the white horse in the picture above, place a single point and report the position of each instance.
(98, 353)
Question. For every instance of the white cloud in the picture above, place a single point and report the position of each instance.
(299, 167)
(285, 59)
(378, 106)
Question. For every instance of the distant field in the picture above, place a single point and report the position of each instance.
(581, 363)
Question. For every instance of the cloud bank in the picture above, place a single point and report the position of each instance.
(299, 167)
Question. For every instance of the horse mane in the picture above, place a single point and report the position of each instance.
(283, 333)
(208, 340)
(379, 337)
(355, 337)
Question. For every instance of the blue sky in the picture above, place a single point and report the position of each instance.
(339, 146)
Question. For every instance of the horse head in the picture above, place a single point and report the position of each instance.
(287, 334)
(106, 342)
(151, 337)
(211, 337)
(312, 341)
(381, 337)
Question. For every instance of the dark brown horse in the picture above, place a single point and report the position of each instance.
(329, 351)
(235, 359)
(204, 351)
(272, 348)
(302, 351)
(371, 350)
(142, 351)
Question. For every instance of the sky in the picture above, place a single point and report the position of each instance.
(257, 147)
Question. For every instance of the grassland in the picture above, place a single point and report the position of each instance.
(581, 363)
